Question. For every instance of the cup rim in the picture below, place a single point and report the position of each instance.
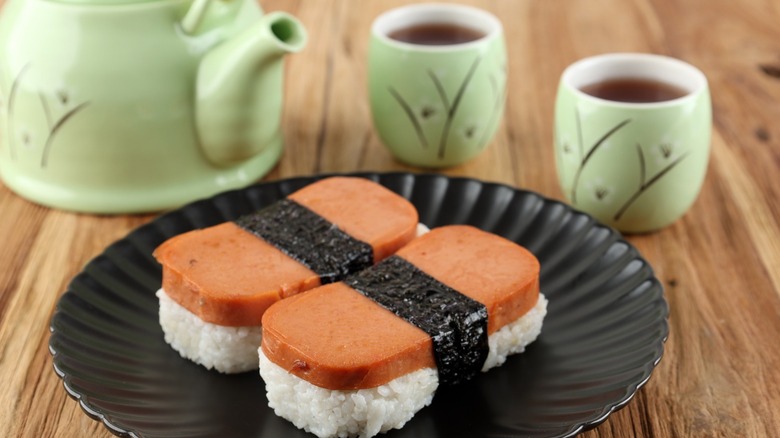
(666, 61)
(493, 23)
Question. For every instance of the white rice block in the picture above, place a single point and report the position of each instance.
(225, 349)
(364, 412)
(514, 337)
(367, 412)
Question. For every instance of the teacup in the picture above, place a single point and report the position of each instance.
(437, 103)
(637, 166)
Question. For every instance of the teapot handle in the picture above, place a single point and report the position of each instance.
(191, 22)
(208, 14)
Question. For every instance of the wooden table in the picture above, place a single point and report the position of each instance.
(720, 263)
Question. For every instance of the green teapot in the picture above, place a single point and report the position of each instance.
(121, 106)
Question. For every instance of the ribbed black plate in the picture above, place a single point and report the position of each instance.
(603, 335)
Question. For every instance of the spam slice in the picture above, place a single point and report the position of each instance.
(367, 369)
(218, 281)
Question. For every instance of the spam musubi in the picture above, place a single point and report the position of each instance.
(217, 282)
(362, 356)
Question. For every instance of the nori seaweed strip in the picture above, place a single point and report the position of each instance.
(456, 323)
(309, 239)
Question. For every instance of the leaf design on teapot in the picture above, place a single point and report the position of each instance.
(10, 110)
(54, 129)
(54, 124)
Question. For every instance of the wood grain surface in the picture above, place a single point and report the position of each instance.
(721, 263)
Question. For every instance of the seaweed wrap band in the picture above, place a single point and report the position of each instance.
(310, 239)
(456, 323)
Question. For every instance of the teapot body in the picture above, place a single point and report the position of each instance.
(97, 106)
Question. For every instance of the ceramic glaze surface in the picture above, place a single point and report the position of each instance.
(103, 107)
(437, 106)
(635, 166)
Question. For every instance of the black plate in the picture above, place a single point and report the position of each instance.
(603, 335)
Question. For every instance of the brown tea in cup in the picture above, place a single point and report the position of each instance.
(634, 90)
(436, 34)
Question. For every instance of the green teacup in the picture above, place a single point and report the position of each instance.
(437, 103)
(636, 166)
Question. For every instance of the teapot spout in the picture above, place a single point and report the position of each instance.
(239, 89)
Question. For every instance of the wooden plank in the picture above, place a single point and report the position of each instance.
(719, 263)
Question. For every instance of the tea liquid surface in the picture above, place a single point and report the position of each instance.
(436, 34)
(634, 90)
